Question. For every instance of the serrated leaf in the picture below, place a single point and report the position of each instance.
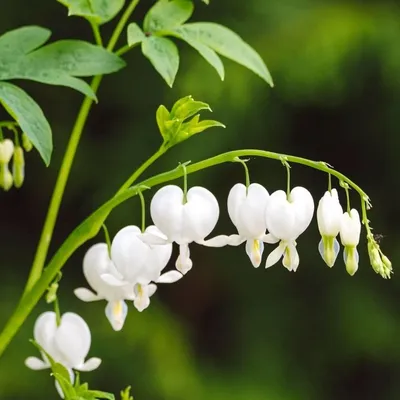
(135, 34)
(166, 15)
(98, 11)
(58, 63)
(101, 395)
(164, 56)
(205, 124)
(188, 109)
(228, 44)
(29, 116)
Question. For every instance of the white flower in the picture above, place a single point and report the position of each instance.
(68, 343)
(287, 219)
(350, 230)
(95, 264)
(182, 222)
(246, 208)
(139, 263)
(329, 217)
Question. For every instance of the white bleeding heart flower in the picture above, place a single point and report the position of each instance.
(246, 208)
(329, 217)
(350, 230)
(138, 263)
(287, 219)
(96, 263)
(184, 222)
(68, 344)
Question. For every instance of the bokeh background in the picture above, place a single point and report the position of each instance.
(228, 331)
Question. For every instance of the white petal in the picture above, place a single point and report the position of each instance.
(116, 312)
(217, 241)
(158, 259)
(275, 255)
(329, 214)
(45, 331)
(97, 263)
(36, 363)
(350, 228)
(281, 216)
(129, 253)
(166, 211)
(184, 263)
(73, 339)
(250, 214)
(142, 298)
(303, 204)
(236, 197)
(254, 249)
(200, 214)
(111, 280)
(269, 238)
(90, 365)
(151, 289)
(86, 295)
(291, 258)
(170, 277)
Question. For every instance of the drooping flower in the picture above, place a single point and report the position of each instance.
(246, 208)
(68, 344)
(329, 217)
(138, 263)
(6, 152)
(96, 263)
(287, 218)
(184, 222)
(350, 230)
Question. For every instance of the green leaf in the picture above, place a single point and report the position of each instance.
(98, 11)
(58, 63)
(166, 15)
(227, 43)
(135, 34)
(29, 116)
(187, 107)
(164, 56)
(162, 115)
(206, 52)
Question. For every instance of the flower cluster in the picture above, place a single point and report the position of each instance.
(130, 267)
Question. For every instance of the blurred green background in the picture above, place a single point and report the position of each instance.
(228, 331)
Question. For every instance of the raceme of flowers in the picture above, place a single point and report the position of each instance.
(130, 267)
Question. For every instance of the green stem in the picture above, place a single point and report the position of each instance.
(287, 166)
(96, 33)
(246, 171)
(57, 311)
(91, 226)
(185, 185)
(107, 237)
(141, 169)
(121, 24)
(143, 206)
(55, 202)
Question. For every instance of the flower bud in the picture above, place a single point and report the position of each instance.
(375, 258)
(18, 167)
(6, 151)
(6, 178)
(26, 143)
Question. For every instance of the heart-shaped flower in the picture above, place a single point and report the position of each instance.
(287, 218)
(184, 220)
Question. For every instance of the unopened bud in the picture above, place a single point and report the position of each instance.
(375, 259)
(6, 151)
(18, 167)
(26, 143)
(52, 293)
(6, 178)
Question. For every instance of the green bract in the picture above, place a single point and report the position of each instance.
(97, 11)
(59, 63)
(167, 18)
